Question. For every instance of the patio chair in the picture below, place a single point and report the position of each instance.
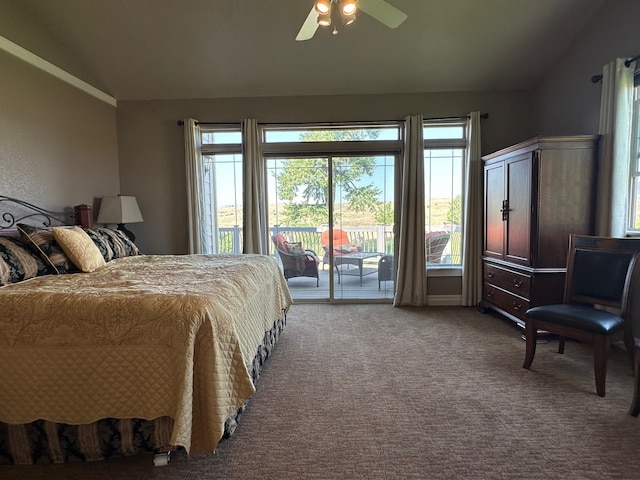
(296, 261)
(385, 269)
(341, 244)
(434, 244)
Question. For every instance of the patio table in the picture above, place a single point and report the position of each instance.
(357, 259)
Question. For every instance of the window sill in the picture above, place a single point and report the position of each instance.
(433, 271)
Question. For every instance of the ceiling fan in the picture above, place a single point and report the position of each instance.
(327, 12)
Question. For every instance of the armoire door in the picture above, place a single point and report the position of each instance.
(518, 178)
(494, 202)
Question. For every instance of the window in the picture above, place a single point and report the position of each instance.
(322, 177)
(444, 154)
(331, 133)
(634, 194)
(222, 203)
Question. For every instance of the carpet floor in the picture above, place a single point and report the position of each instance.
(374, 392)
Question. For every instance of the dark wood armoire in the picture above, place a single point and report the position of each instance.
(535, 194)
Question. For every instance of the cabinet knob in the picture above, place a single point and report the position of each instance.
(489, 294)
(491, 274)
(517, 306)
(517, 283)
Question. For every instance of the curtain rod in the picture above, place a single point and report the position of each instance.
(433, 119)
(627, 63)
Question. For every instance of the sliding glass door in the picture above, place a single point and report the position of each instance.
(338, 208)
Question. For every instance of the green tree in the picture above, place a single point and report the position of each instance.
(384, 213)
(303, 182)
(454, 213)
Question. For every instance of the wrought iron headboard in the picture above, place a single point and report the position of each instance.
(14, 211)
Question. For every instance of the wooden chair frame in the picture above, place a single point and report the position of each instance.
(579, 290)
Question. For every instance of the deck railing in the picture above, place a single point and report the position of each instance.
(375, 238)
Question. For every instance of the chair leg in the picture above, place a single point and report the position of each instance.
(561, 345)
(634, 409)
(629, 345)
(600, 357)
(531, 334)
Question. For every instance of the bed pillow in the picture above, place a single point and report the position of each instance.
(79, 248)
(120, 244)
(41, 242)
(18, 263)
(101, 243)
(130, 248)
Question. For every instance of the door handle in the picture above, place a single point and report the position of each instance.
(505, 210)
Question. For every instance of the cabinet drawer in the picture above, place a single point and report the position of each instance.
(506, 301)
(510, 280)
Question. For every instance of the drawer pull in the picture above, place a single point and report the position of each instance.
(489, 294)
(517, 306)
(491, 274)
(517, 283)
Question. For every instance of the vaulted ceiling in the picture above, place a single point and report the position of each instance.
(172, 49)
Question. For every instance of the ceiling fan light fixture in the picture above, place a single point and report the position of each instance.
(323, 7)
(348, 7)
(324, 20)
(348, 19)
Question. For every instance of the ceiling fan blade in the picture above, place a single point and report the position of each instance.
(383, 12)
(309, 26)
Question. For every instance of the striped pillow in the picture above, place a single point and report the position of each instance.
(120, 244)
(41, 242)
(101, 242)
(18, 263)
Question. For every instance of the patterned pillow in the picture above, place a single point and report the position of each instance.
(118, 241)
(130, 248)
(79, 248)
(101, 243)
(294, 248)
(41, 242)
(18, 263)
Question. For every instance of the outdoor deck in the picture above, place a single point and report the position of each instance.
(304, 289)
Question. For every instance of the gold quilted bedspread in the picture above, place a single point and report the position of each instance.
(143, 337)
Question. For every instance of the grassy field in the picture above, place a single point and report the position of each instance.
(438, 215)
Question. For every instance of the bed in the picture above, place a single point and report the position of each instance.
(142, 352)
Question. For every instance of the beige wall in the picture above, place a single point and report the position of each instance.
(58, 145)
(151, 149)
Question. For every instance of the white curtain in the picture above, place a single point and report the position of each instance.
(616, 106)
(473, 216)
(195, 182)
(411, 279)
(255, 198)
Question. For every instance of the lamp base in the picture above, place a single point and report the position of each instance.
(128, 233)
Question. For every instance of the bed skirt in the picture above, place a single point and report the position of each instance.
(48, 442)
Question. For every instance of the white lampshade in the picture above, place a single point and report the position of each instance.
(120, 209)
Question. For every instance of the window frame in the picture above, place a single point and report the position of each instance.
(633, 209)
(213, 150)
(449, 144)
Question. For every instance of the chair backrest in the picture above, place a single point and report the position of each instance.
(435, 243)
(280, 242)
(601, 270)
(340, 237)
